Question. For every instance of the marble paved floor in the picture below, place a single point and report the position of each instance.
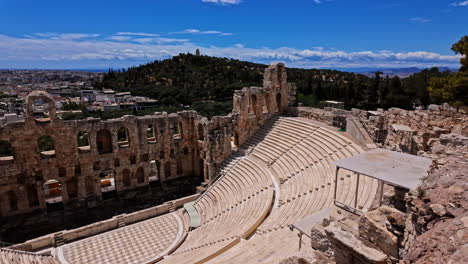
(135, 243)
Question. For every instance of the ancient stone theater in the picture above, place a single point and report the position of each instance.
(269, 183)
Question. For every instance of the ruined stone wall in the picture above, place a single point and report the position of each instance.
(216, 144)
(171, 147)
(427, 127)
(256, 105)
(160, 146)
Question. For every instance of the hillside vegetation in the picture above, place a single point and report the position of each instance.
(206, 84)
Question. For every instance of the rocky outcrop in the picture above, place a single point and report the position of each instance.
(436, 230)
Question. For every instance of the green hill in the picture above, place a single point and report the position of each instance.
(206, 84)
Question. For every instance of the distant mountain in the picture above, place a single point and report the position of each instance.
(391, 72)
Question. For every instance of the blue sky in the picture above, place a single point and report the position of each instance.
(301, 33)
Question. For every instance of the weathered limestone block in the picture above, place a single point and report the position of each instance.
(433, 107)
(349, 249)
(377, 226)
(320, 240)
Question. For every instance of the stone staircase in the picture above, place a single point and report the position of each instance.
(261, 134)
(172, 207)
(230, 162)
(59, 240)
(120, 221)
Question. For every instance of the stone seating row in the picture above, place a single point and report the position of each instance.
(242, 181)
(307, 176)
(297, 154)
(8, 256)
(231, 209)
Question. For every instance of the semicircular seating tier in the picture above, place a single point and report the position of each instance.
(304, 168)
(231, 209)
(288, 175)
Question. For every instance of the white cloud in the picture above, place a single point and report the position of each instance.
(137, 34)
(321, 1)
(420, 20)
(158, 40)
(223, 2)
(119, 38)
(42, 52)
(464, 3)
(201, 32)
(66, 36)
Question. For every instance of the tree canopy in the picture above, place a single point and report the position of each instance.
(206, 84)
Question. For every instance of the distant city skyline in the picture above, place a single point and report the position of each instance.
(304, 33)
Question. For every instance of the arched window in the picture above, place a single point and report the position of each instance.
(83, 141)
(122, 137)
(266, 105)
(40, 109)
(140, 175)
(104, 141)
(126, 178)
(177, 130)
(53, 195)
(107, 178)
(6, 150)
(46, 146)
(72, 188)
(33, 199)
(235, 140)
(278, 102)
(201, 133)
(150, 134)
(12, 201)
(154, 171)
(253, 104)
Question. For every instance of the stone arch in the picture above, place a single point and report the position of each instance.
(31, 193)
(150, 134)
(266, 104)
(235, 139)
(126, 178)
(123, 137)
(53, 195)
(154, 171)
(72, 188)
(46, 98)
(107, 181)
(278, 102)
(82, 139)
(12, 201)
(253, 104)
(140, 175)
(104, 141)
(6, 150)
(177, 130)
(201, 133)
(46, 145)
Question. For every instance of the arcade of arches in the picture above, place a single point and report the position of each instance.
(69, 166)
